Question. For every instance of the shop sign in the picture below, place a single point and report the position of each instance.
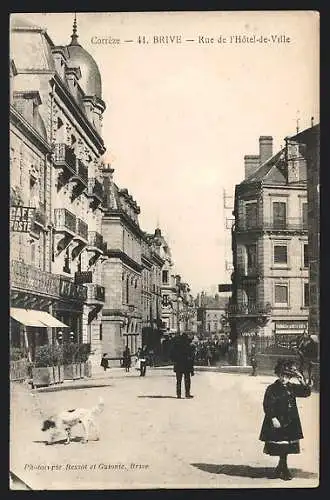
(21, 218)
(291, 325)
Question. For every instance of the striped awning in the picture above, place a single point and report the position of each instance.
(32, 317)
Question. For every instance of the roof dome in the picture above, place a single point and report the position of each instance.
(90, 80)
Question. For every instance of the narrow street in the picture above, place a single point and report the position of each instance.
(150, 439)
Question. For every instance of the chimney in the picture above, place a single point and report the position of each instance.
(251, 164)
(265, 148)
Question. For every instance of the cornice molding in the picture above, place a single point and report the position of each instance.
(28, 130)
(119, 254)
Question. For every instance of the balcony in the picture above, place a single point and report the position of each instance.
(81, 230)
(65, 221)
(95, 241)
(65, 158)
(82, 277)
(248, 273)
(82, 171)
(70, 290)
(28, 278)
(250, 309)
(95, 191)
(290, 224)
(95, 293)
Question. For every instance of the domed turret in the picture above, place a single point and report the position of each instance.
(90, 80)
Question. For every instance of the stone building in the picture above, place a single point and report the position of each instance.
(270, 249)
(55, 149)
(122, 312)
(211, 313)
(310, 141)
(151, 296)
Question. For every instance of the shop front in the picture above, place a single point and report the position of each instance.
(287, 333)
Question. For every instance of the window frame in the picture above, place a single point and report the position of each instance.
(280, 244)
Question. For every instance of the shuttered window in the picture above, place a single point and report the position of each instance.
(279, 214)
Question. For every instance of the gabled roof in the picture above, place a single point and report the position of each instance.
(271, 171)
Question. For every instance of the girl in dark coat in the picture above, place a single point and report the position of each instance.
(105, 362)
(281, 428)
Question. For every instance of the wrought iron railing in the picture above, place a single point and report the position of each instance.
(95, 239)
(95, 188)
(263, 224)
(95, 292)
(250, 308)
(82, 277)
(64, 219)
(68, 289)
(27, 277)
(82, 171)
(82, 229)
(64, 156)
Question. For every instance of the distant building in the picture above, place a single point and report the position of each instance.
(270, 295)
(211, 314)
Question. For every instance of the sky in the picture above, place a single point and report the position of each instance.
(180, 117)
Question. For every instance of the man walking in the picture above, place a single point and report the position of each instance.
(183, 358)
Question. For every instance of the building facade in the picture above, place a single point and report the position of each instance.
(55, 150)
(309, 139)
(270, 290)
(211, 314)
(122, 270)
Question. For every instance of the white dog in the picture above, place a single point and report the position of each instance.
(64, 421)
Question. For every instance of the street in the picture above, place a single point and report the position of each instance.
(150, 439)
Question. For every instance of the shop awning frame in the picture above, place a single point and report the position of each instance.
(32, 317)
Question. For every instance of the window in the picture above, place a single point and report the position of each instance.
(306, 294)
(251, 252)
(306, 259)
(279, 214)
(66, 267)
(165, 300)
(280, 254)
(281, 294)
(251, 214)
(165, 276)
(305, 215)
(127, 289)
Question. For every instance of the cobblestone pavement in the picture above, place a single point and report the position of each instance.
(151, 439)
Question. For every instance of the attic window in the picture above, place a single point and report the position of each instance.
(59, 123)
(73, 140)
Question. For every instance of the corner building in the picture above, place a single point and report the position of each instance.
(270, 294)
(55, 150)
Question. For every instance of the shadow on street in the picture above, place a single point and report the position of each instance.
(158, 397)
(249, 471)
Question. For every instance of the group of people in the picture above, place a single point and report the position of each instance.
(141, 360)
(281, 429)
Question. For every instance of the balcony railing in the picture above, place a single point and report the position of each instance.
(64, 157)
(27, 277)
(82, 277)
(69, 289)
(248, 271)
(250, 309)
(95, 188)
(65, 220)
(82, 171)
(95, 240)
(82, 229)
(288, 224)
(95, 292)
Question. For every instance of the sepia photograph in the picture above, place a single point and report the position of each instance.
(164, 250)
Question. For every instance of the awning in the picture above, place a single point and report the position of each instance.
(31, 317)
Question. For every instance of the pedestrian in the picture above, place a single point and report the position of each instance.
(254, 363)
(183, 357)
(105, 362)
(143, 361)
(127, 359)
(281, 429)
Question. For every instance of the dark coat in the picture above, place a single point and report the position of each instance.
(183, 355)
(104, 362)
(280, 402)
